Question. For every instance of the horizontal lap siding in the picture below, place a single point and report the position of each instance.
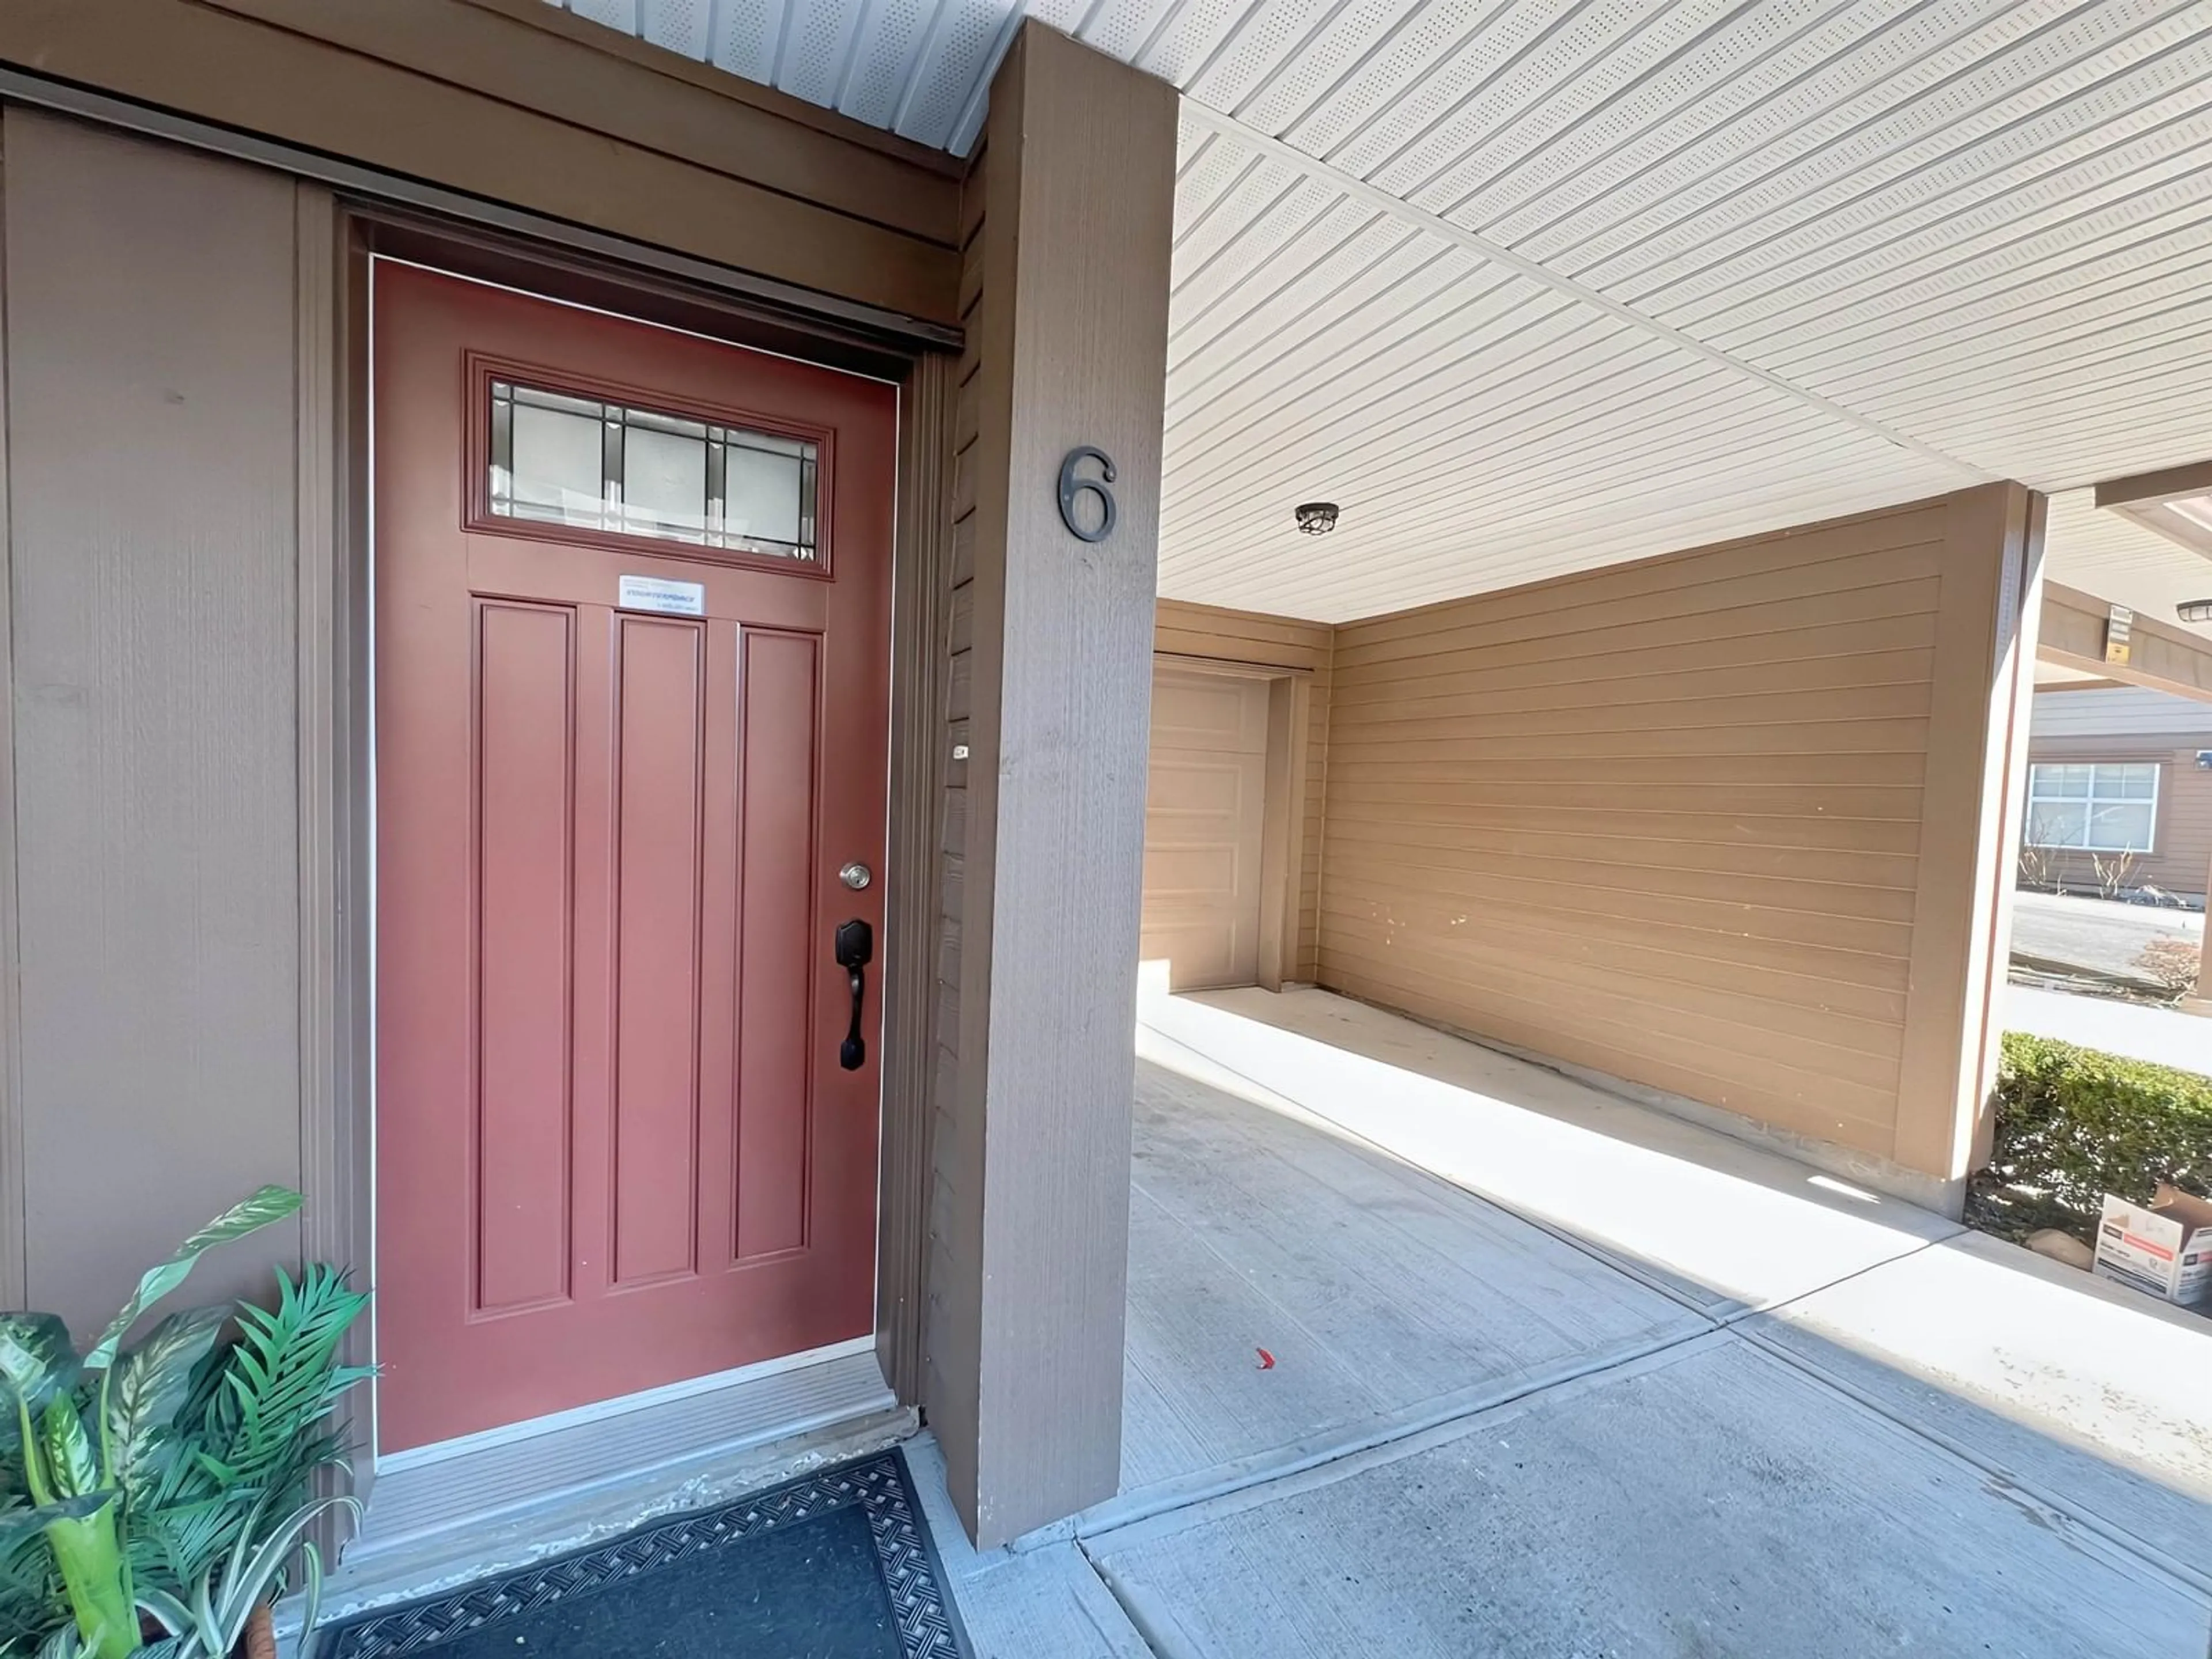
(1661, 820)
(592, 131)
(1200, 630)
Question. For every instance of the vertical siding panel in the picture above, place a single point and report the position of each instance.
(152, 402)
(1069, 342)
(12, 1171)
(952, 1328)
(913, 922)
(1202, 630)
(1316, 815)
(332, 832)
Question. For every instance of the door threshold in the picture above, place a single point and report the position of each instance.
(447, 1515)
(720, 1383)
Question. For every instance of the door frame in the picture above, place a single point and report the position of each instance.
(1282, 849)
(339, 238)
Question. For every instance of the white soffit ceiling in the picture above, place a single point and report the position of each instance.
(1531, 286)
(2050, 673)
(2117, 559)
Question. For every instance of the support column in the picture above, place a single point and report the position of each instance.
(2200, 1001)
(1988, 599)
(1065, 292)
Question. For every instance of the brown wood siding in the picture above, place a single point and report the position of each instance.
(2181, 856)
(915, 920)
(951, 1327)
(522, 106)
(155, 535)
(1204, 630)
(1070, 214)
(1663, 820)
(2162, 658)
(12, 1240)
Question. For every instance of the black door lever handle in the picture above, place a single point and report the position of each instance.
(856, 945)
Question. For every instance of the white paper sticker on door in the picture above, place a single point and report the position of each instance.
(652, 594)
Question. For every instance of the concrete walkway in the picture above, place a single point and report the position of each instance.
(1555, 1375)
(2165, 1036)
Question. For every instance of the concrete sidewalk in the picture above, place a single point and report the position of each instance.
(1557, 1375)
(2163, 1037)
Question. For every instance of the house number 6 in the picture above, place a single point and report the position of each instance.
(1073, 484)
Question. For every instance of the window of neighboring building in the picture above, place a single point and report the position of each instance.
(2097, 807)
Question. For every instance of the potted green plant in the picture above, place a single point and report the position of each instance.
(170, 1481)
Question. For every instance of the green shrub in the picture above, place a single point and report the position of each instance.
(2074, 1124)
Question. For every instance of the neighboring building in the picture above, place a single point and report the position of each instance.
(2118, 777)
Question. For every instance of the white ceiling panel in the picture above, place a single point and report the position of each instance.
(742, 37)
(681, 26)
(2118, 559)
(610, 14)
(1534, 285)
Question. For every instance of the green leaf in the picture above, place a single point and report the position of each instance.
(282, 1380)
(256, 1429)
(71, 1467)
(149, 1387)
(269, 1204)
(246, 1582)
(89, 1551)
(173, 1544)
(174, 1616)
(311, 1598)
(16, 1525)
(36, 1359)
(31, 1599)
(80, 1537)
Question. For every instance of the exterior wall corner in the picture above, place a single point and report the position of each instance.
(1067, 226)
(1987, 607)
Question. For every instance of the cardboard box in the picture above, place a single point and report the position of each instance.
(2164, 1247)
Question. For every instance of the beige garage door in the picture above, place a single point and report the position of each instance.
(1204, 826)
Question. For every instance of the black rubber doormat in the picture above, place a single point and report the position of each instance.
(834, 1566)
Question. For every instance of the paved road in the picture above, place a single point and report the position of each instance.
(2162, 1035)
(2096, 934)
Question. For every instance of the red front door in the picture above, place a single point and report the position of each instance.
(632, 650)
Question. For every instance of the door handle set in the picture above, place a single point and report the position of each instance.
(855, 947)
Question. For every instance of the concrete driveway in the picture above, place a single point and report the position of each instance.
(1555, 1375)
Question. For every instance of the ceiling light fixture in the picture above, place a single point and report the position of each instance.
(2194, 610)
(1316, 518)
